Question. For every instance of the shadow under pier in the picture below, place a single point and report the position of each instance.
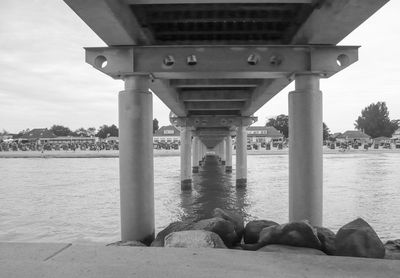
(212, 188)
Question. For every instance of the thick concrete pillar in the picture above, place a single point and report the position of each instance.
(228, 166)
(136, 160)
(186, 163)
(241, 156)
(195, 154)
(223, 152)
(217, 149)
(305, 150)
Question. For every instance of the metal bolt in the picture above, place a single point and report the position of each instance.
(169, 61)
(191, 60)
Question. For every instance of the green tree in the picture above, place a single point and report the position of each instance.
(325, 132)
(375, 121)
(21, 133)
(106, 131)
(155, 125)
(91, 131)
(281, 123)
(81, 132)
(4, 132)
(60, 130)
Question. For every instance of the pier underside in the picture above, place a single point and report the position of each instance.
(214, 64)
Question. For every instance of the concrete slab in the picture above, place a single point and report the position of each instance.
(101, 261)
(29, 251)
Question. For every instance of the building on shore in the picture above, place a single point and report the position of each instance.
(43, 136)
(38, 136)
(167, 134)
(264, 134)
(353, 136)
(396, 135)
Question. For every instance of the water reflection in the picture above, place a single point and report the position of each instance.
(212, 188)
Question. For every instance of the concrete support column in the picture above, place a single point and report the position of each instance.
(186, 165)
(228, 167)
(223, 152)
(195, 154)
(217, 149)
(305, 150)
(136, 160)
(241, 156)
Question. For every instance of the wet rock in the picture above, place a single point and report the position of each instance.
(224, 228)
(253, 229)
(291, 249)
(235, 218)
(194, 239)
(300, 234)
(392, 249)
(358, 239)
(173, 227)
(133, 243)
(327, 239)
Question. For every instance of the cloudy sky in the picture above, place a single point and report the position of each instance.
(44, 79)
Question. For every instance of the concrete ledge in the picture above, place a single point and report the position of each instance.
(100, 261)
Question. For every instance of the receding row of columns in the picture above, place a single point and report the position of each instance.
(136, 155)
(193, 152)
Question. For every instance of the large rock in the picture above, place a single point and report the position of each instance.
(291, 249)
(392, 249)
(224, 228)
(358, 239)
(327, 239)
(253, 229)
(132, 243)
(300, 234)
(194, 239)
(235, 218)
(173, 227)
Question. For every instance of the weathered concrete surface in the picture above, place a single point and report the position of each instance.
(28, 260)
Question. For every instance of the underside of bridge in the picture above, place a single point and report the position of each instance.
(214, 64)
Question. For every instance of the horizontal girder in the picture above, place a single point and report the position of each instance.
(221, 62)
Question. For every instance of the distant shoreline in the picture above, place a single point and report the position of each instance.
(158, 153)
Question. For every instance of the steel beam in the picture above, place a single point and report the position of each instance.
(214, 105)
(159, 2)
(220, 95)
(112, 21)
(217, 121)
(220, 62)
(215, 83)
(332, 21)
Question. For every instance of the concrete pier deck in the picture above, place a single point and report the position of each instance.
(70, 260)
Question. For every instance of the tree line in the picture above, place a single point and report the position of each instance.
(103, 131)
(373, 121)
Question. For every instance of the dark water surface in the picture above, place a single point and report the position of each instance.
(77, 199)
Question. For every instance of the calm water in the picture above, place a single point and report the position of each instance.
(77, 200)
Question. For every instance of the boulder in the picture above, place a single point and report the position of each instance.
(392, 249)
(327, 239)
(133, 243)
(291, 249)
(173, 227)
(358, 239)
(224, 228)
(194, 239)
(300, 234)
(235, 218)
(253, 229)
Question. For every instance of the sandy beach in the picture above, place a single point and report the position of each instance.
(157, 153)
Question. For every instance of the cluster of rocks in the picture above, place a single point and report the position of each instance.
(227, 230)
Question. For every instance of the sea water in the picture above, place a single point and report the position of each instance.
(77, 199)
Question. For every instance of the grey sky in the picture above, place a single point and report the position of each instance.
(44, 79)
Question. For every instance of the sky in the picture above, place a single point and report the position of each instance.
(44, 79)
